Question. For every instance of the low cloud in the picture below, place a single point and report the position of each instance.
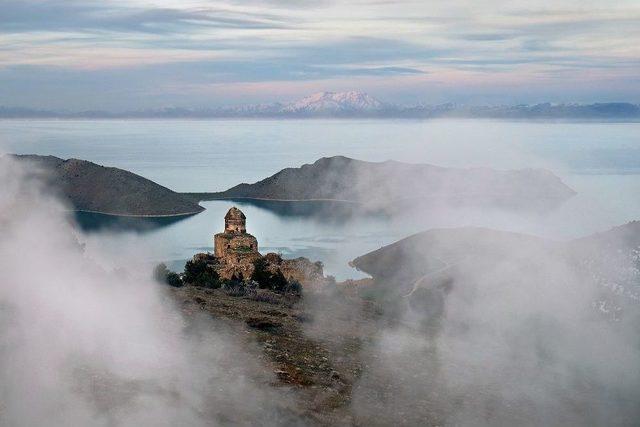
(88, 341)
(504, 330)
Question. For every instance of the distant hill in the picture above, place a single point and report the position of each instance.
(467, 256)
(358, 104)
(436, 250)
(90, 187)
(383, 184)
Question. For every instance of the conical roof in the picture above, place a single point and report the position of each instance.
(234, 213)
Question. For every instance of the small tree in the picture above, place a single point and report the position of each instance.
(198, 273)
(163, 275)
(260, 273)
(174, 279)
(278, 281)
(266, 279)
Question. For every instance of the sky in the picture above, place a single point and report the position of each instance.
(118, 55)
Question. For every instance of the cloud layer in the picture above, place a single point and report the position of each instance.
(92, 54)
(87, 340)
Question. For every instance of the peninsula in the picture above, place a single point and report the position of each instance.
(88, 187)
(384, 184)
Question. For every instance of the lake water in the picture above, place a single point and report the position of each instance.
(601, 161)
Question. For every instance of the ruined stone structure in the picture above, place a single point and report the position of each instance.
(235, 249)
(235, 222)
(235, 241)
(300, 269)
(235, 252)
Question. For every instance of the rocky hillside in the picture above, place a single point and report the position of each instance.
(90, 187)
(513, 312)
(385, 183)
(606, 264)
(437, 251)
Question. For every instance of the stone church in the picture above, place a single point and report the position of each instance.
(235, 245)
(235, 252)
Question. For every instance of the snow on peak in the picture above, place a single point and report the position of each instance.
(334, 102)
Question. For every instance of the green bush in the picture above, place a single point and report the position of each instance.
(260, 273)
(198, 273)
(174, 279)
(266, 279)
(278, 282)
(163, 275)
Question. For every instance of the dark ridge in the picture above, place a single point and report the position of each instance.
(388, 184)
(436, 250)
(430, 255)
(88, 187)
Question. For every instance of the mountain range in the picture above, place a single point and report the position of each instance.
(357, 104)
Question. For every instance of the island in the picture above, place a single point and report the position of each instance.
(88, 187)
(389, 184)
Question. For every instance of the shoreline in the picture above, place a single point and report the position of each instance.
(135, 216)
(355, 202)
(270, 200)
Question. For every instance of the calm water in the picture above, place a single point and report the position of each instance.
(599, 160)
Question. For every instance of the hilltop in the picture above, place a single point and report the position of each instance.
(382, 184)
(89, 187)
(439, 253)
(466, 256)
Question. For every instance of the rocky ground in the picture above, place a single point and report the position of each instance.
(319, 358)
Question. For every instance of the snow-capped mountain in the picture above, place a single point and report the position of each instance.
(350, 103)
(334, 102)
(357, 104)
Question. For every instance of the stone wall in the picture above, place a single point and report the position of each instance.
(228, 244)
(301, 270)
(235, 226)
(235, 255)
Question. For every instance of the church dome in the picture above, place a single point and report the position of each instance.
(235, 213)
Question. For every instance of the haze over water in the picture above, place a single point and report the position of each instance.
(601, 161)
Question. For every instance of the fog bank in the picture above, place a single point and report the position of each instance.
(82, 343)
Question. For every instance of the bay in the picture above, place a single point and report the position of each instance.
(601, 161)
